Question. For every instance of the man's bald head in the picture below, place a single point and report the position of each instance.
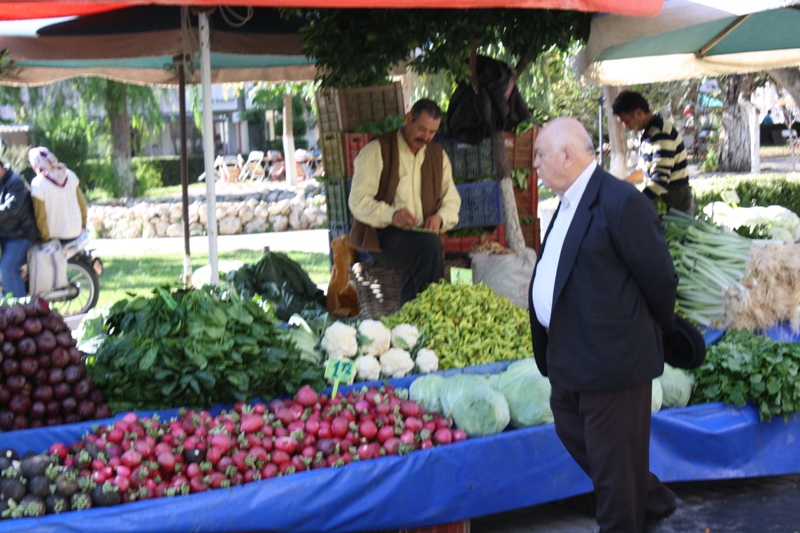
(563, 150)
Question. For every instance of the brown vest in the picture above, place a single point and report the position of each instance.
(364, 237)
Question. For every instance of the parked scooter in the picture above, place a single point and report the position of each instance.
(83, 275)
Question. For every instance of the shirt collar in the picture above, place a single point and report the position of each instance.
(573, 195)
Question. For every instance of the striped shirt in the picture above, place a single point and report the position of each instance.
(662, 155)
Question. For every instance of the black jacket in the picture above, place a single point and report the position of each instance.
(16, 208)
(614, 293)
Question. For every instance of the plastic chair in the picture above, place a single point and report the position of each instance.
(252, 168)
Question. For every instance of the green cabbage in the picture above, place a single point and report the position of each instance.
(677, 386)
(656, 398)
(523, 365)
(481, 411)
(454, 386)
(528, 396)
(425, 391)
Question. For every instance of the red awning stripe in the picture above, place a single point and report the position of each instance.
(32, 9)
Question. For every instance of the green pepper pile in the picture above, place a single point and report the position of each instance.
(467, 325)
(196, 348)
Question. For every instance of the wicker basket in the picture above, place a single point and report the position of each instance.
(378, 287)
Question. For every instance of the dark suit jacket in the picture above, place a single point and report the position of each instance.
(614, 292)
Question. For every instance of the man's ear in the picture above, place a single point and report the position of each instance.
(568, 153)
(408, 118)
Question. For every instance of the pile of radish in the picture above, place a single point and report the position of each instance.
(142, 458)
(43, 379)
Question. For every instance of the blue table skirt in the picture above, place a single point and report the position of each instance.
(481, 476)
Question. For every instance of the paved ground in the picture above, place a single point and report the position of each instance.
(753, 505)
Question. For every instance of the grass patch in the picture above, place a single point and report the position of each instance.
(175, 191)
(140, 275)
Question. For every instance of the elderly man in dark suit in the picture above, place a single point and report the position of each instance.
(601, 294)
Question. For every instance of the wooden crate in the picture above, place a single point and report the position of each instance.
(343, 110)
(519, 149)
(332, 145)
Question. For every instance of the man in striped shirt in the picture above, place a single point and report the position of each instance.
(662, 155)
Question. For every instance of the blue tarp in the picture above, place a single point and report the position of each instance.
(514, 469)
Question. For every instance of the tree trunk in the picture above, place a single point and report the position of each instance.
(516, 241)
(789, 79)
(119, 119)
(734, 138)
(616, 136)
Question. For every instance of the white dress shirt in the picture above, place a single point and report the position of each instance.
(544, 282)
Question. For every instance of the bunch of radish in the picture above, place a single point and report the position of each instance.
(43, 379)
(142, 458)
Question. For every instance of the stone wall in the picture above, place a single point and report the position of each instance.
(278, 210)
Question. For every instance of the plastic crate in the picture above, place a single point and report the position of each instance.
(332, 145)
(366, 105)
(337, 191)
(469, 162)
(328, 115)
(519, 149)
(481, 205)
(532, 235)
(353, 143)
(528, 200)
(465, 244)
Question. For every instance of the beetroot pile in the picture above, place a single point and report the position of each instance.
(43, 379)
(142, 458)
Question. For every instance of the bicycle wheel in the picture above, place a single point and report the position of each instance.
(82, 275)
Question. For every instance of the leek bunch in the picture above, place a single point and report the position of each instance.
(708, 261)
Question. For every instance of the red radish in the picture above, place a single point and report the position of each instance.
(443, 422)
(364, 451)
(218, 480)
(306, 396)
(258, 455)
(193, 470)
(250, 423)
(238, 460)
(122, 482)
(426, 444)
(281, 432)
(459, 435)
(285, 444)
(382, 409)
(443, 436)
(324, 430)
(334, 459)
(270, 470)
(267, 443)
(213, 455)
(59, 449)
(286, 416)
(296, 425)
(407, 437)
(166, 462)
(251, 475)
(280, 457)
(409, 408)
(340, 426)
(259, 408)
(131, 459)
(385, 433)
(413, 424)
(368, 429)
(311, 426)
(221, 441)
(300, 463)
(391, 445)
(224, 463)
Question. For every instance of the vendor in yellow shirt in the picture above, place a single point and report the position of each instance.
(403, 182)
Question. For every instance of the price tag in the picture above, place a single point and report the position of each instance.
(340, 370)
(730, 197)
(461, 276)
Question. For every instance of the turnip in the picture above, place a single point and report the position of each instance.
(55, 504)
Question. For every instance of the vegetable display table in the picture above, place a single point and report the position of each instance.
(477, 477)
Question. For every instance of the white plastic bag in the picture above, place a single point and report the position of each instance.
(47, 268)
(506, 274)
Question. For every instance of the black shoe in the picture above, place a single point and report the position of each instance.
(652, 520)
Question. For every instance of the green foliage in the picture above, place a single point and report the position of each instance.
(711, 161)
(68, 135)
(100, 174)
(168, 167)
(147, 177)
(746, 367)
(16, 157)
(765, 190)
(336, 38)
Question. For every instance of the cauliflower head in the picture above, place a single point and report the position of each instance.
(368, 368)
(377, 334)
(339, 340)
(427, 361)
(396, 363)
(405, 336)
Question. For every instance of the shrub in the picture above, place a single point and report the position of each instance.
(168, 167)
(147, 177)
(765, 190)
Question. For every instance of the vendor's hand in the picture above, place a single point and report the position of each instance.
(403, 218)
(433, 223)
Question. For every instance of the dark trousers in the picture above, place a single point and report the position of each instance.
(680, 197)
(417, 254)
(608, 435)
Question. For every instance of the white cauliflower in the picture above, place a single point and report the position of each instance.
(339, 340)
(376, 337)
(396, 363)
(405, 336)
(368, 368)
(427, 361)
